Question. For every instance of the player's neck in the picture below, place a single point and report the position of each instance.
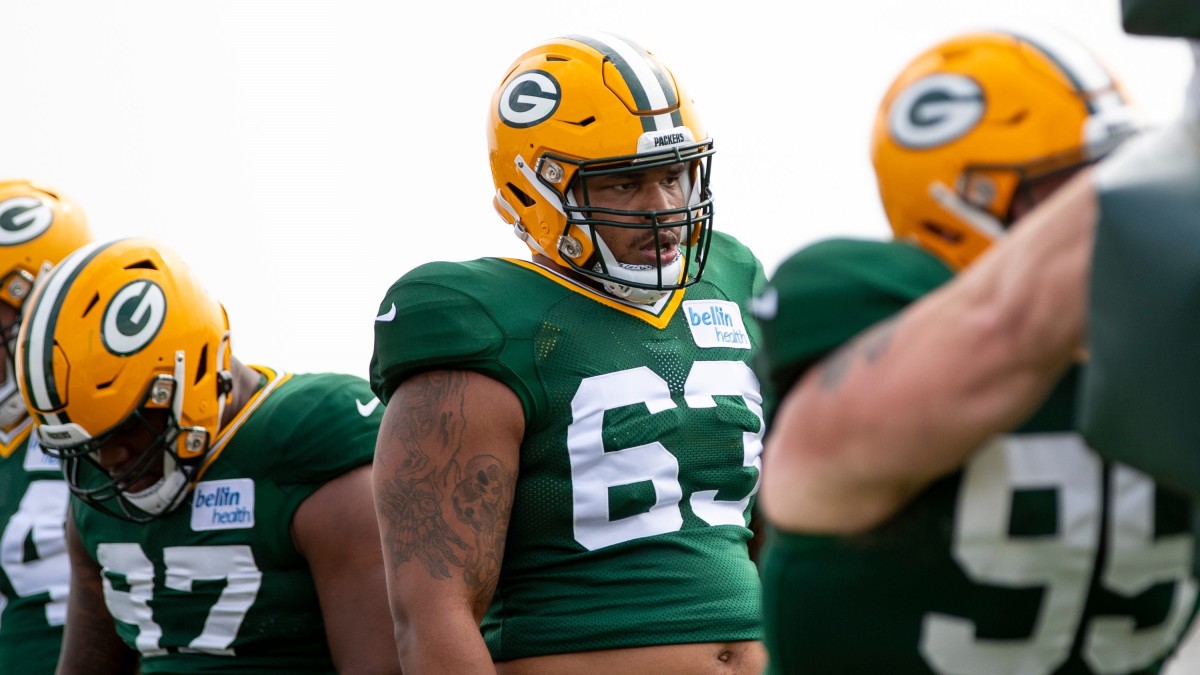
(246, 381)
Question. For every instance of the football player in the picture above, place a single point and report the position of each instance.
(925, 482)
(38, 227)
(570, 448)
(220, 516)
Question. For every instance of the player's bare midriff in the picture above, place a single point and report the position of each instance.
(705, 658)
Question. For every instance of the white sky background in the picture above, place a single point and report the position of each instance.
(303, 155)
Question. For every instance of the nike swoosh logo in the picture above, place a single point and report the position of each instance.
(765, 306)
(388, 315)
(365, 409)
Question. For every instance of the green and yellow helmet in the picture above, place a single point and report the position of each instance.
(120, 334)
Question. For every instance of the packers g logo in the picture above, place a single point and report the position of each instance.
(133, 317)
(529, 99)
(935, 110)
(23, 219)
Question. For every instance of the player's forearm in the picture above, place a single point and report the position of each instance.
(90, 640)
(910, 399)
(90, 643)
(1036, 283)
(998, 338)
(990, 345)
(441, 640)
(978, 356)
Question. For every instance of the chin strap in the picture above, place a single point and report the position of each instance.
(640, 274)
(166, 494)
(640, 296)
(979, 220)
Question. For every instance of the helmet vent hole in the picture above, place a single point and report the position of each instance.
(945, 233)
(520, 195)
(553, 59)
(91, 304)
(202, 366)
(104, 385)
(1017, 118)
(587, 121)
(142, 265)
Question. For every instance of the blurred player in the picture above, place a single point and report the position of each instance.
(38, 227)
(901, 512)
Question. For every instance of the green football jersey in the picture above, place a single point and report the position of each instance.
(640, 461)
(34, 571)
(1036, 557)
(217, 584)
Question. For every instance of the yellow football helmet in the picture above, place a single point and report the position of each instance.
(974, 125)
(39, 226)
(118, 337)
(583, 106)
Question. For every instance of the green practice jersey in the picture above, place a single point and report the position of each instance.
(640, 460)
(1037, 557)
(34, 571)
(217, 584)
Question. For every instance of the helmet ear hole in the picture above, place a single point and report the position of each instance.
(201, 365)
(525, 199)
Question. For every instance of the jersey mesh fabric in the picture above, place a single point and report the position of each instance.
(685, 582)
(304, 434)
(1032, 590)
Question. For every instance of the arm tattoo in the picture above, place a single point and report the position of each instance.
(415, 495)
(481, 501)
(871, 345)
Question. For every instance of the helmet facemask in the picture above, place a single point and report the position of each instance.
(687, 226)
(1017, 188)
(178, 451)
(12, 405)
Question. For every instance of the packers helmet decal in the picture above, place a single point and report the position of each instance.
(133, 317)
(935, 110)
(23, 219)
(529, 99)
(978, 127)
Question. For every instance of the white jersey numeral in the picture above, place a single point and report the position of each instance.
(125, 566)
(39, 518)
(594, 470)
(1062, 564)
(128, 565)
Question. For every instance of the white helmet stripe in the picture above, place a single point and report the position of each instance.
(652, 88)
(39, 336)
(1078, 64)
